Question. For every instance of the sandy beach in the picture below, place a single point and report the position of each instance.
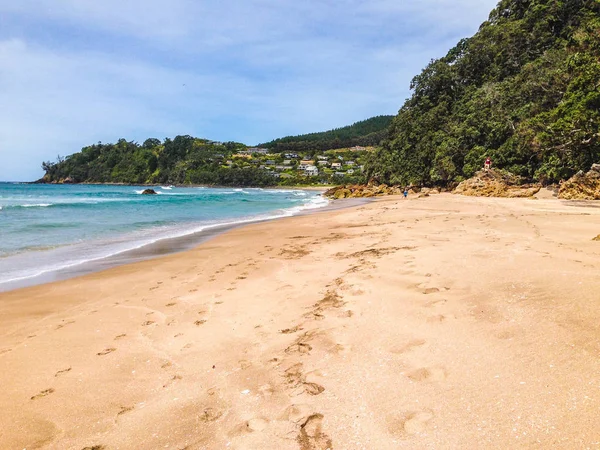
(445, 322)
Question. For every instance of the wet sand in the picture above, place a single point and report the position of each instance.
(440, 322)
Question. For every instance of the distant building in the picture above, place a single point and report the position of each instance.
(322, 163)
(322, 158)
(291, 155)
(350, 163)
(311, 171)
(270, 162)
(336, 165)
(305, 163)
(350, 171)
(287, 162)
(340, 174)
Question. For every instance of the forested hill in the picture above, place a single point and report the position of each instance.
(367, 132)
(524, 90)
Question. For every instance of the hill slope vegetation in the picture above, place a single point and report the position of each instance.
(524, 90)
(367, 132)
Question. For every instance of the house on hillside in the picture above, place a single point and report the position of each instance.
(287, 162)
(350, 163)
(311, 171)
(305, 163)
(350, 171)
(322, 163)
(336, 165)
(322, 158)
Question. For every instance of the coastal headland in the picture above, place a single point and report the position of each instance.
(433, 322)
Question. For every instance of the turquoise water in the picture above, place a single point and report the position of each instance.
(45, 228)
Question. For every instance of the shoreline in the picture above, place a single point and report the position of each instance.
(435, 322)
(158, 248)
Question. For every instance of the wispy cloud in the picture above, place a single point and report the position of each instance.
(73, 72)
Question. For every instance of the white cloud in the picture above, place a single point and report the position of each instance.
(252, 70)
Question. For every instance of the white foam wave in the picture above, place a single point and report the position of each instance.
(36, 205)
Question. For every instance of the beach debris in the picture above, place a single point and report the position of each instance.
(149, 192)
(597, 238)
(582, 186)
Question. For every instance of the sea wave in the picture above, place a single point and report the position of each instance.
(35, 205)
(128, 243)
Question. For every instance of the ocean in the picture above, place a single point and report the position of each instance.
(46, 230)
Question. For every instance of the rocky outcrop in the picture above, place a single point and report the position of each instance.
(582, 186)
(149, 192)
(494, 183)
(361, 190)
(375, 190)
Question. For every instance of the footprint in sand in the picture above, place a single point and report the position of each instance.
(414, 422)
(311, 436)
(6, 350)
(427, 374)
(296, 413)
(430, 290)
(148, 322)
(62, 372)
(254, 425)
(62, 325)
(199, 322)
(172, 380)
(120, 336)
(43, 393)
(94, 447)
(408, 346)
(124, 410)
(170, 304)
(106, 351)
(436, 319)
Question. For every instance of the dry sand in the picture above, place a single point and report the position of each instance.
(440, 322)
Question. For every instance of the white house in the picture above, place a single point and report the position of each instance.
(336, 165)
(350, 171)
(311, 171)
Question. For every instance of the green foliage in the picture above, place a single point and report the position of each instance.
(367, 132)
(182, 160)
(524, 90)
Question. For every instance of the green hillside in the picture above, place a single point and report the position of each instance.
(524, 90)
(369, 132)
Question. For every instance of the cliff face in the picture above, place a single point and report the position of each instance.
(523, 90)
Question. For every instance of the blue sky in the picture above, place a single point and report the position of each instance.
(75, 72)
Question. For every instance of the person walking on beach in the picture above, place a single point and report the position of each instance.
(488, 164)
(405, 192)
